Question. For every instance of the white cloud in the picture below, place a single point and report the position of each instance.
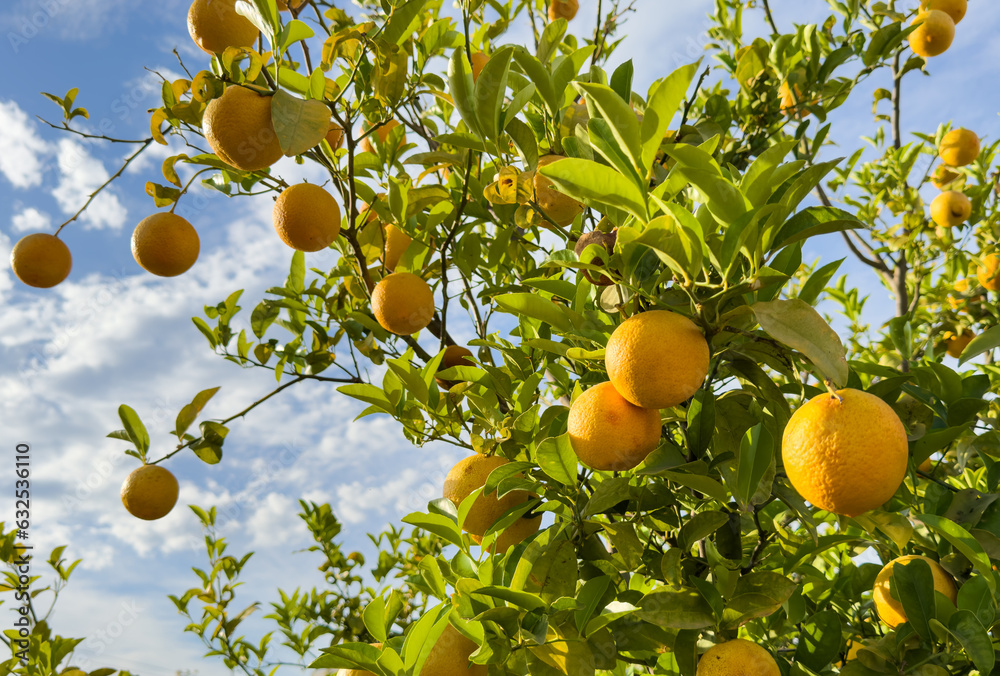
(31, 219)
(22, 150)
(80, 175)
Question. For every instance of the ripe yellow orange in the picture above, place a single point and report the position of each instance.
(608, 432)
(563, 9)
(403, 303)
(396, 244)
(41, 260)
(738, 657)
(559, 208)
(454, 355)
(335, 136)
(215, 25)
(890, 610)
(950, 208)
(927, 466)
(956, 344)
(944, 176)
(513, 535)
(306, 217)
(238, 127)
(934, 34)
(149, 492)
(954, 8)
(383, 135)
(165, 244)
(988, 273)
(845, 453)
(450, 656)
(959, 147)
(479, 61)
(657, 359)
(470, 474)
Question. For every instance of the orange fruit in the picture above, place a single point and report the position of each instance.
(41, 260)
(470, 474)
(988, 273)
(479, 61)
(944, 176)
(845, 453)
(396, 244)
(657, 359)
(450, 656)
(890, 610)
(954, 8)
(955, 345)
(609, 433)
(738, 657)
(215, 25)
(335, 136)
(927, 466)
(237, 126)
(959, 147)
(454, 355)
(306, 217)
(283, 7)
(513, 535)
(149, 492)
(563, 9)
(950, 208)
(559, 208)
(383, 135)
(934, 34)
(403, 303)
(165, 244)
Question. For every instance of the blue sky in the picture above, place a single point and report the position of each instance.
(113, 334)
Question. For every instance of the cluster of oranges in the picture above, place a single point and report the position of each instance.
(936, 26)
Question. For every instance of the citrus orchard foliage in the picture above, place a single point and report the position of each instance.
(674, 460)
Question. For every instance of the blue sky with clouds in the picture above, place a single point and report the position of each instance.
(113, 334)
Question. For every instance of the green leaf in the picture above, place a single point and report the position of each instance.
(676, 609)
(518, 598)
(187, 415)
(757, 595)
(812, 222)
(700, 422)
(723, 199)
(463, 91)
(986, 341)
(974, 639)
(490, 90)
(438, 524)
(556, 457)
(665, 98)
(292, 32)
(699, 526)
(963, 541)
(675, 244)
(817, 282)
(541, 78)
(798, 325)
(596, 185)
(621, 119)
(299, 124)
(756, 458)
(374, 618)
(136, 431)
(534, 306)
(913, 583)
(403, 21)
(974, 596)
(819, 640)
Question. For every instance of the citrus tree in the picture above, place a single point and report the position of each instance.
(674, 463)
